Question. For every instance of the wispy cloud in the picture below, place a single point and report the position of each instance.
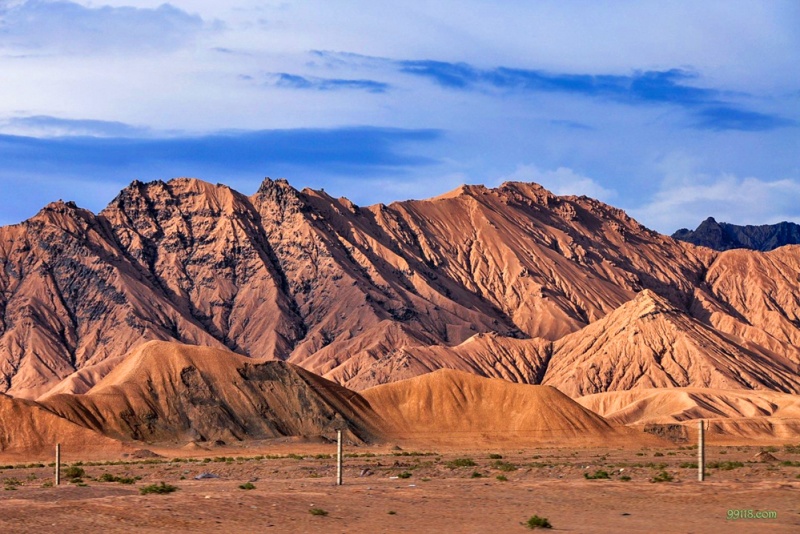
(729, 118)
(294, 81)
(354, 151)
(677, 87)
(47, 126)
(65, 26)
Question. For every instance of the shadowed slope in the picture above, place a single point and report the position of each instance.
(173, 392)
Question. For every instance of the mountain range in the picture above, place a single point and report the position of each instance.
(726, 236)
(512, 282)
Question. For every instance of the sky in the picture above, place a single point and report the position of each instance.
(674, 111)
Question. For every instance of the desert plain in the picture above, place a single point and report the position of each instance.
(410, 490)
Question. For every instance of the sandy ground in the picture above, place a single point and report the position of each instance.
(436, 497)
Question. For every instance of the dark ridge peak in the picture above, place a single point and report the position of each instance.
(726, 236)
(268, 184)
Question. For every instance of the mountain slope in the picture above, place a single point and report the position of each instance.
(29, 429)
(649, 343)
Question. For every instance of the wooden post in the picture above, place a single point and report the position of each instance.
(58, 464)
(339, 458)
(701, 452)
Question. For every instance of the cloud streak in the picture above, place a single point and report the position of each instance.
(707, 107)
(293, 81)
(648, 87)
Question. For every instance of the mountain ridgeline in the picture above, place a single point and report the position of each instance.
(726, 236)
(512, 282)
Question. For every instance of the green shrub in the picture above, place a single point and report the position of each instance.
(404, 474)
(538, 522)
(247, 486)
(108, 477)
(317, 511)
(597, 475)
(494, 456)
(475, 474)
(160, 489)
(74, 472)
(663, 476)
(725, 466)
(461, 462)
(689, 465)
(625, 478)
(502, 478)
(506, 467)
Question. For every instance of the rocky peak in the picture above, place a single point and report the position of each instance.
(726, 236)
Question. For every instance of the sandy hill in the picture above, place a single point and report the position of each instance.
(361, 295)
(649, 343)
(456, 407)
(28, 430)
(173, 392)
(735, 413)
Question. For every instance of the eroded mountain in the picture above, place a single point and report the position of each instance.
(483, 280)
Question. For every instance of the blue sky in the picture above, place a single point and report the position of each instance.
(673, 111)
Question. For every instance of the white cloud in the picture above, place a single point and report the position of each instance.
(561, 181)
(68, 27)
(727, 198)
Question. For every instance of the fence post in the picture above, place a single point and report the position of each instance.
(701, 452)
(58, 464)
(339, 458)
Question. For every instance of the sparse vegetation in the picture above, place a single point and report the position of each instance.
(461, 462)
(597, 475)
(160, 489)
(11, 483)
(725, 466)
(74, 472)
(318, 511)
(495, 456)
(625, 478)
(476, 474)
(404, 474)
(506, 467)
(502, 478)
(663, 476)
(108, 477)
(792, 449)
(538, 522)
(391, 512)
(689, 465)
(247, 486)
